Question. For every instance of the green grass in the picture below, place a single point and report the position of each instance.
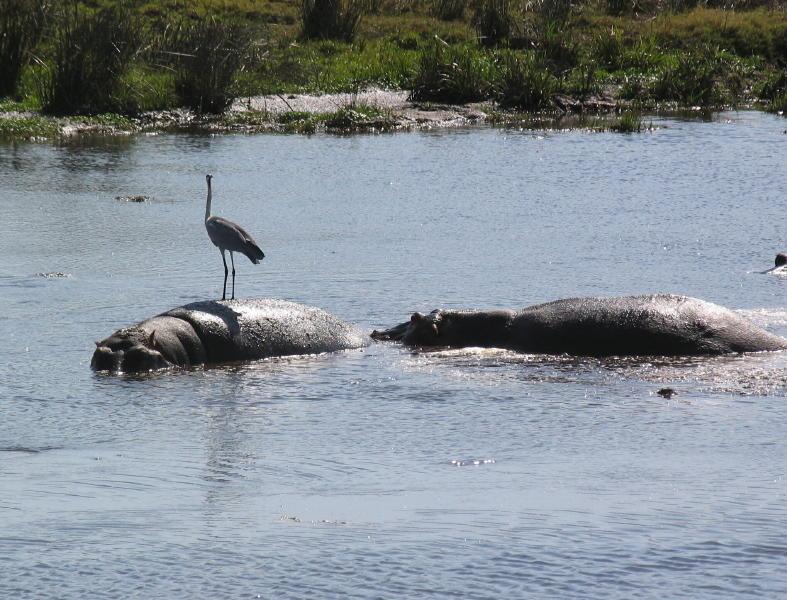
(524, 83)
(778, 104)
(108, 120)
(352, 119)
(332, 67)
(92, 51)
(628, 122)
(701, 57)
(18, 106)
(454, 74)
(347, 119)
(28, 128)
(330, 19)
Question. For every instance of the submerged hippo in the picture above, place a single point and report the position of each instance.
(213, 332)
(659, 325)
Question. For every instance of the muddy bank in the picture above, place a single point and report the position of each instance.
(368, 111)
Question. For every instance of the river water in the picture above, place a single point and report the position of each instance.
(386, 473)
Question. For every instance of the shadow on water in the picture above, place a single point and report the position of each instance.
(96, 154)
(28, 450)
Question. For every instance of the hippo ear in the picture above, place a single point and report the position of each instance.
(98, 344)
(152, 339)
(416, 317)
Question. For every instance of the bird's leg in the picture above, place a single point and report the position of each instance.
(232, 259)
(224, 260)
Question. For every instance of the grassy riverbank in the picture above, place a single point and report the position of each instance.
(102, 57)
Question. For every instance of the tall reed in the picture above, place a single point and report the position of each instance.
(492, 21)
(207, 56)
(690, 78)
(449, 10)
(453, 74)
(525, 83)
(92, 52)
(330, 19)
(21, 24)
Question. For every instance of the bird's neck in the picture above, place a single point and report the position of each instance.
(207, 204)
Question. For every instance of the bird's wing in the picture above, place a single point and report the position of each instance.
(226, 223)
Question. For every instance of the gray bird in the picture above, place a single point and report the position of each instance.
(227, 235)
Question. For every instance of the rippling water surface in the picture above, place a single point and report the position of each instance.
(385, 473)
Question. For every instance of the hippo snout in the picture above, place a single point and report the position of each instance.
(104, 359)
(137, 359)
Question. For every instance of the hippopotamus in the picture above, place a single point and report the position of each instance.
(211, 332)
(655, 325)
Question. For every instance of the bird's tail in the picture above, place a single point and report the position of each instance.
(253, 252)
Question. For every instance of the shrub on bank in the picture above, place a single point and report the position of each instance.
(92, 52)
(556, 48)
(582, 81)
(689, 78)
(524, 83)
(778, 104)
(608, 48)
(772, 85)
(628, 122)
(492, 21)
(552, 12)
(453, 74)
(449, 10)
(207, 56)
(330, 19)
(21, 23)
(773, 89)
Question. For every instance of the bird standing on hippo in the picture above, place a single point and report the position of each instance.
(212, 332)
(656, 325)
(227, 235)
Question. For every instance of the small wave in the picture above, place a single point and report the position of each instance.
(54, 275)
(747, 375)
(758, 374)
(473, 462)
(134, 198)
(27, 449)
(765, 316)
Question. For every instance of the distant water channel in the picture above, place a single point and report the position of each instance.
(384, 473)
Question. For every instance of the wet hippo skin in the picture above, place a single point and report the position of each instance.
(656, 325)
(212, 332)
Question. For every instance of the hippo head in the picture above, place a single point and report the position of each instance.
(425, 330)
(420, 330)
(781, 260)
(129, 350)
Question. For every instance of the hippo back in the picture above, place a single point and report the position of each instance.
(642, 325)
(258, 328)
